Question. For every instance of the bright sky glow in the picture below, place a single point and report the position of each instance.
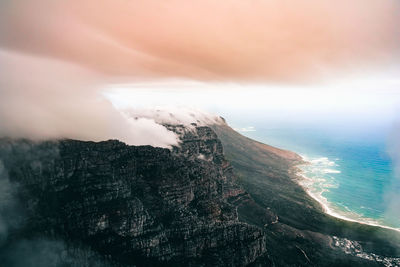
(379, 97)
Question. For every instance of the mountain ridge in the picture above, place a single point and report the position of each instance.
(217, 199)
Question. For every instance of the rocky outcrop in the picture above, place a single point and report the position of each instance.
(136, 205)
(75, 203)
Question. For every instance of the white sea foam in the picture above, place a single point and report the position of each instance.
(330, 171)
(323, 161)
(316, 179)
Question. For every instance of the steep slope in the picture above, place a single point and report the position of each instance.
(136, 205)
(217, 199)
(303, 235)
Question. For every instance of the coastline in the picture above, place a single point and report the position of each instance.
(305, 182)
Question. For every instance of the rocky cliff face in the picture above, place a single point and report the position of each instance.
(136, 205)
(75, 203)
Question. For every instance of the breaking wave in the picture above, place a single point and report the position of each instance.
(317, 177)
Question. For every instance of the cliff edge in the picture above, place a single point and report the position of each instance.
(216, 199)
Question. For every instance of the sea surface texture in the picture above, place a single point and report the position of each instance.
(351, 174)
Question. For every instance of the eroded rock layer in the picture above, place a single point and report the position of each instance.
(136, 205)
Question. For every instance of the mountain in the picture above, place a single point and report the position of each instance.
(304, 235)
(217, 199)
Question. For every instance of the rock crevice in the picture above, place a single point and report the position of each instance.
(137, 205)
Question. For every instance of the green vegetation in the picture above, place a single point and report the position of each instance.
(303, 234)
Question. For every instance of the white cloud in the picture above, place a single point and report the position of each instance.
(49, 99)
(174, 115)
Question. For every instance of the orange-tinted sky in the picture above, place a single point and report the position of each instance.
(267, 40)
(56, 56)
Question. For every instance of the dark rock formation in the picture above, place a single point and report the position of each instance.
(136, 205)
(75, 203)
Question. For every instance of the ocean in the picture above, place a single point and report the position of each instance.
(351, 173)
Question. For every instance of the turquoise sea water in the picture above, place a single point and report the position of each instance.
(351, 173)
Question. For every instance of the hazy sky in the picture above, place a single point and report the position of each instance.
(267, 40)
(57, 58)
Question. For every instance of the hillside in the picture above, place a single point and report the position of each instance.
(268, 174)
(217, 199)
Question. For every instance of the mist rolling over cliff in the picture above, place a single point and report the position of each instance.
(185, 133)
